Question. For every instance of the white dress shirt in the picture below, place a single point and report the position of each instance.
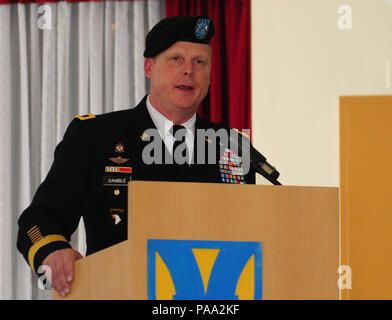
(164, 125)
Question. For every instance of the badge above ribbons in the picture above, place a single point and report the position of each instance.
(204, 270)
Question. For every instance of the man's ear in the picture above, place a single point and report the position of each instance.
(148, 62)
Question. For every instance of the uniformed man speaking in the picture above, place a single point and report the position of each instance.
(100, 154)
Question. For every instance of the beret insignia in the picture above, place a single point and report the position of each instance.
(196, 29)
(202, 27)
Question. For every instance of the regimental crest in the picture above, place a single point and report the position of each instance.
(204, 270)
(202, 27)
(119, 148)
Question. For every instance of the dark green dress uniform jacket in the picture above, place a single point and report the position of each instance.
(78, 186)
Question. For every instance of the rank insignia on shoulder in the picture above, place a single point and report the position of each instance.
(119, 148)
(87, 116)
(241, 133)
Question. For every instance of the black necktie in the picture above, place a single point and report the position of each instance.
(177, 142)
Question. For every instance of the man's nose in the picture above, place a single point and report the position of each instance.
(187, 69)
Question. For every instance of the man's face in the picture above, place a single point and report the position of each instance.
(180, 77)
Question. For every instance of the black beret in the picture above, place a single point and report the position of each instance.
(168, 31)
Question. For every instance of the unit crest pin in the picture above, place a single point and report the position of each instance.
(119, 148)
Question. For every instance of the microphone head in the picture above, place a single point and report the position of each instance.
(257, 161)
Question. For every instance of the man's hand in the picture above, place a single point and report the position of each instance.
(61, 263)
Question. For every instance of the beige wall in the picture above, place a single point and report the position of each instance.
(302, 63)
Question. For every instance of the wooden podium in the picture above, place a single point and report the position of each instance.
(297, 227)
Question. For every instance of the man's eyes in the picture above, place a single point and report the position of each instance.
(179, 59)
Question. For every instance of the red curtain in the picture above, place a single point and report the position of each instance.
(229, 99)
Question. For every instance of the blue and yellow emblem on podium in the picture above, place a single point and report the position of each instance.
(204, 270)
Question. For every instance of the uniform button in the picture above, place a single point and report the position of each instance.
(116, 192)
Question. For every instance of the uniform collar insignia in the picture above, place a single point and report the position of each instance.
(144, 136)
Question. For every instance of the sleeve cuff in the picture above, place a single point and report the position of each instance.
(40, 250)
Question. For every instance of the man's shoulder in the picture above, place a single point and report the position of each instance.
(99, 125)
(114, 117)
(111, 120)
(106, 118)
(203, 123)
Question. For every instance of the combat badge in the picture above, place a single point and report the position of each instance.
(201, 29)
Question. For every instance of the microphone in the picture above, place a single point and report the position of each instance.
(257, 161)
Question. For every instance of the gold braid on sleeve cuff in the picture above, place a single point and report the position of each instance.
(43, 242)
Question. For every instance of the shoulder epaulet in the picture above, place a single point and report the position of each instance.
(87, 116)
(242, 133)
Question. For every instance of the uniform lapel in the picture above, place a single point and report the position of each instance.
(139, 122)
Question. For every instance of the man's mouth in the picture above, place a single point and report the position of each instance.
(185, 88)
